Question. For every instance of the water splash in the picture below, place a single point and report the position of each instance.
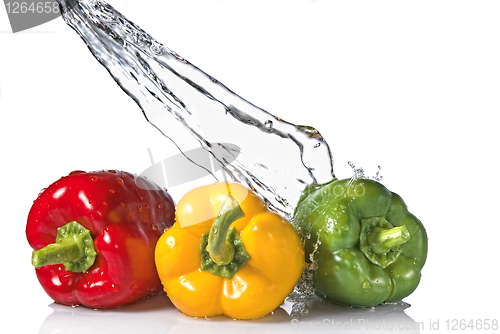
(359, 173)
(378, 177)
(304, 295)
(276, 159)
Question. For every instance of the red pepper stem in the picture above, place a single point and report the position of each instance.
(220, 249)
(57, 253)
(74, 248)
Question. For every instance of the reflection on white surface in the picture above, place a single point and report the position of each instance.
(158, 315)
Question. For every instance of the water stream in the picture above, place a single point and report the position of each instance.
(273, 157)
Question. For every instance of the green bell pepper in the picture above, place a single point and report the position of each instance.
(363, 245)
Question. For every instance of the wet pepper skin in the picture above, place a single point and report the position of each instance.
(344, 224)
(125, 215)
(275, 265)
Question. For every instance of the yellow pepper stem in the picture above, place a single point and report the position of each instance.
(220, 249)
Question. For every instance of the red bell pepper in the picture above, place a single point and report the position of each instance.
(94, 236)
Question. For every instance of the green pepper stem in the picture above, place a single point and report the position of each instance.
(57, 253)
(74, 248)
(222, 251)
(383, 240)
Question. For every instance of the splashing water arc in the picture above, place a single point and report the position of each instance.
(276, 159)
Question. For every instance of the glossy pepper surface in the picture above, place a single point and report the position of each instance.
(94, 235)
(204, 277)
(367, 248)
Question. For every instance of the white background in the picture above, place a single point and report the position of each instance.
(412, 86)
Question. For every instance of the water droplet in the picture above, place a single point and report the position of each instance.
(154, 227)
(41, 191)
(160, 205)
(337, 268)
(377, 176)
(139, 209)
(359, 173)
(120, 181)
(366, 284)
(93, 179)
(146, 207)
(112, 191)
(268, 124)
(133, 286)
(105, 203)
(317, 145)
(112, 171)
(115, 288)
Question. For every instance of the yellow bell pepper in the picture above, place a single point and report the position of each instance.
(227, 254)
